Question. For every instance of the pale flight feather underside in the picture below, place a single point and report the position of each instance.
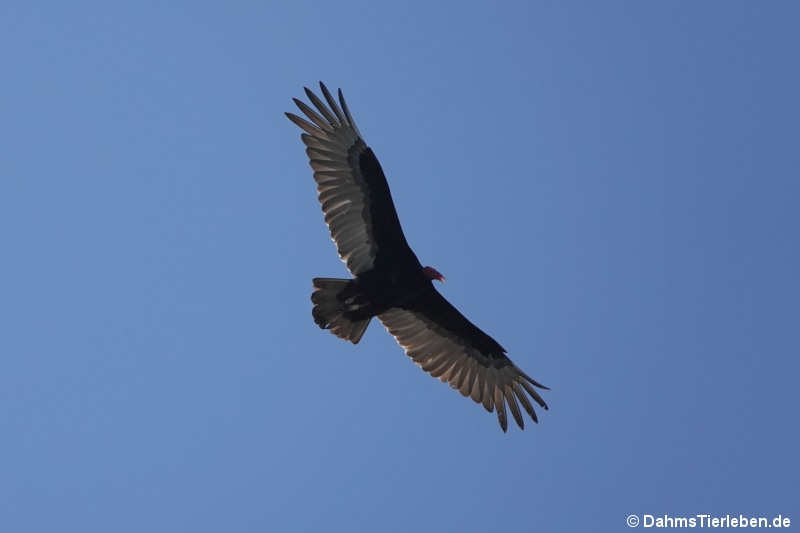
(334, 146)
(442, 355)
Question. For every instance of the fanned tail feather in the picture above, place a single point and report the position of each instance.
(334, 299)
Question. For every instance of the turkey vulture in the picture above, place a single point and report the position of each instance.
(389, 281)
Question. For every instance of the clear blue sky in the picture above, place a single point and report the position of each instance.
(611, 189)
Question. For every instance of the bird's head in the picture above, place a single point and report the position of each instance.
(432, 274)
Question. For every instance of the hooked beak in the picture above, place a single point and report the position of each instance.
(433, 274)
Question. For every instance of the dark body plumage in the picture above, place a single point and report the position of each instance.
(389, 281)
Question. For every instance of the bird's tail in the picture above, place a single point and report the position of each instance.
(336, 306)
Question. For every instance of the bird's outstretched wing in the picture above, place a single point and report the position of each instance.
(355, 197)
(448, 346)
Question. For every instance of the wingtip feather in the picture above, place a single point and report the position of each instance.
(350, 120)
(306, 125)
(514, 407)
(331, 102)
(500, 406)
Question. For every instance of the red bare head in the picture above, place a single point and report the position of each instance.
(432, 274)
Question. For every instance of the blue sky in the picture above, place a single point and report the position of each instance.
(610, 188)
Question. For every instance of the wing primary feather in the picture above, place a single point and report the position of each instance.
(306, 125)
(477, 385)
(319, 105)
(331, 102)
(310, 113)
(488, 390)
(347, 113)
(533, 381)
(526, 403)
(500, 404)
(318, 142)
(512, 404)
(534, 394)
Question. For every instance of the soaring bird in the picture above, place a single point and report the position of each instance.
(389, 281)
